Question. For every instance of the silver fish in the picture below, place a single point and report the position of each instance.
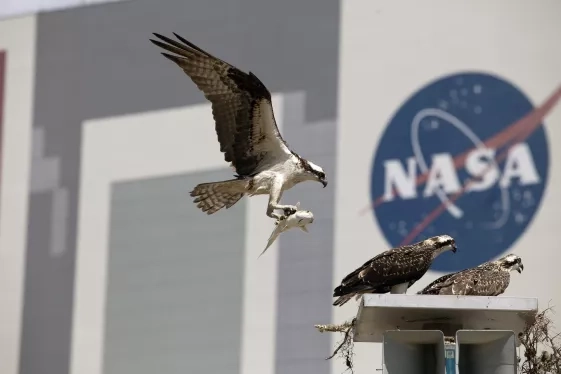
(299, 219)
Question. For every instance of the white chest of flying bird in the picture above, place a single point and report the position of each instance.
(246, 130)
(300, 219)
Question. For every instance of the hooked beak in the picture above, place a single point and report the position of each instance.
(454, 249)
(520, 268)
(324, 182)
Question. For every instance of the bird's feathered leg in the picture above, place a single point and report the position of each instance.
(274, 198)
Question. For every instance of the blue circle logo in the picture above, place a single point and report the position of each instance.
(467, 156)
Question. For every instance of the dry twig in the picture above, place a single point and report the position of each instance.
(345, 347)
(542, 348)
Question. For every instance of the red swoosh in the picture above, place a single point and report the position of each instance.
(524, 128)
(500, 139)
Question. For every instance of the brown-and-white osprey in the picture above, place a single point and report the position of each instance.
(247, 133)
(488, 279)
(394, 270)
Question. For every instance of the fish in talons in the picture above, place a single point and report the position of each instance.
(300, 219)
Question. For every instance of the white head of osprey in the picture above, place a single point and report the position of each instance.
(466, 155)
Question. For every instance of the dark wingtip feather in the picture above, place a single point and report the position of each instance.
(185, 41)
(173, 58)
(159, 36)
(161, 45)
(170, 44)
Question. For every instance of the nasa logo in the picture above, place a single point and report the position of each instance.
(466, 155)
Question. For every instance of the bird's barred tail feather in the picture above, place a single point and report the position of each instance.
(350, 283)
(211, 197)
(343, 299)
(340, 291)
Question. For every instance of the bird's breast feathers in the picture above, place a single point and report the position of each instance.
(263, 182)
(285, 173)
(290, 172)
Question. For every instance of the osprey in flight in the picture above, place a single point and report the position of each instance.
(488, 279)
(247, 133)
(393, 271)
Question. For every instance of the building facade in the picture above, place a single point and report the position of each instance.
(428, 120)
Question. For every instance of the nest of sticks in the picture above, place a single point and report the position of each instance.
(344, 347)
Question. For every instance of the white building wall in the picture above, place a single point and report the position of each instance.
(17, 8)
(388, 52)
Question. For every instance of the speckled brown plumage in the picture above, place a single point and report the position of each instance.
(236, 98)
(488, 279)
(247, 132)
(243, 116)
(396, 266)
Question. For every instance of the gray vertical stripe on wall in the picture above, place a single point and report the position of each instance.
(175, 282)
(95, 62)
(306, 260)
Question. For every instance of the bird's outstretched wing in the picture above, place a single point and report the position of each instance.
(241, 106)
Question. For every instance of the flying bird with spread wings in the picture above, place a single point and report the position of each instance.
(394, 270)
(488, 279)
(247, 132)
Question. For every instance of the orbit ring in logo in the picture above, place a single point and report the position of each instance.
(466, 155)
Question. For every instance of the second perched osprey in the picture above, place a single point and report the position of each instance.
(488, 279)
(393, 271)
(247, 133)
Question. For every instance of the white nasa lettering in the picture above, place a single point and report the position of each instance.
(396, 177)
(520, 163)
(480, 164)
(442, 175)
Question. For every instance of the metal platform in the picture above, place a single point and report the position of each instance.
(382, 312)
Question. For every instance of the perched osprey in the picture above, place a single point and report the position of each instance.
(393, 271)
(247, 133)
(488, 279)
